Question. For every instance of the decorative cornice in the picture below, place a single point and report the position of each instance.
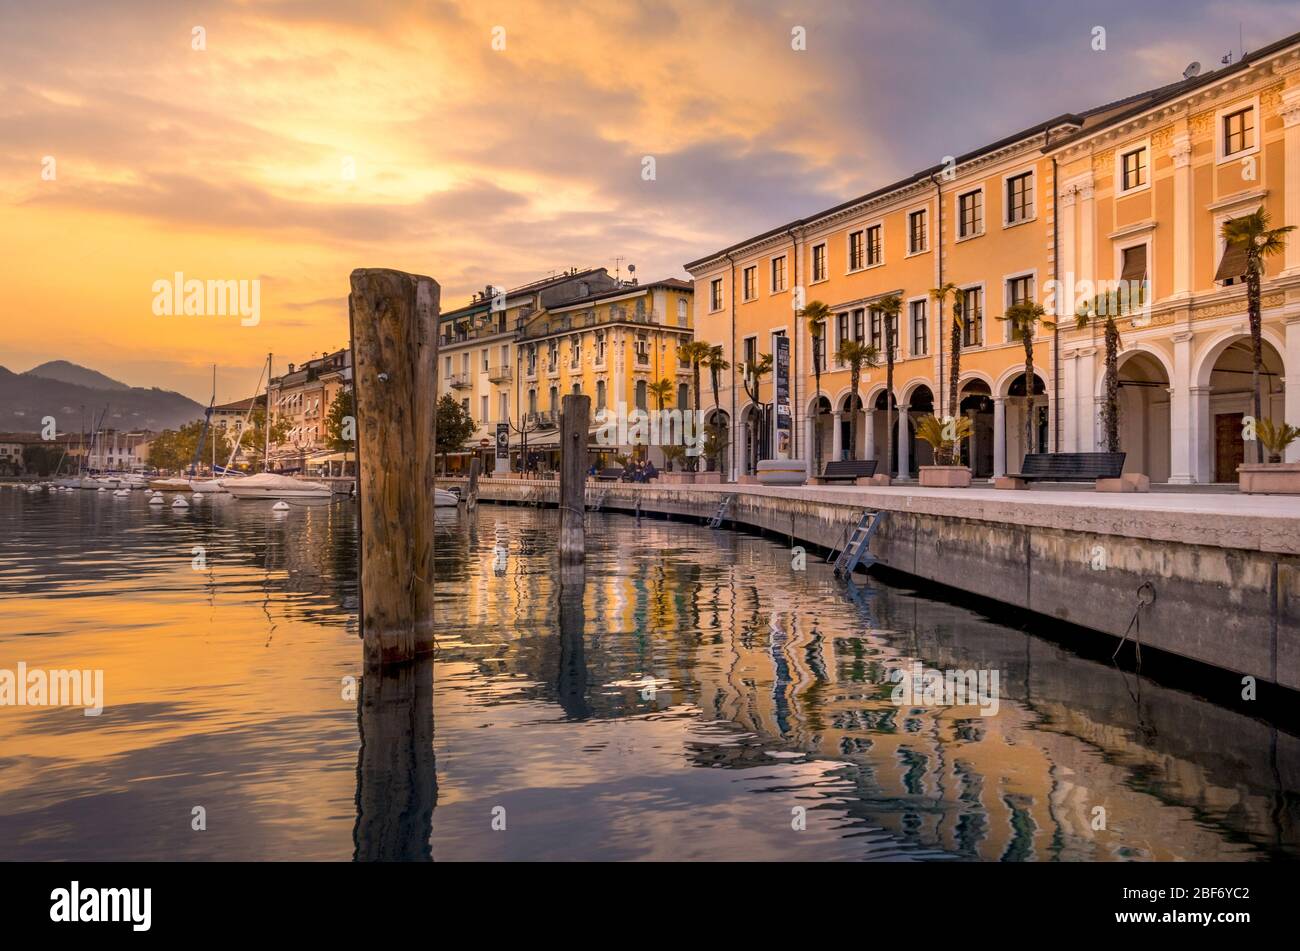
(1181, 150)
(1140, 228)
(1253, 196)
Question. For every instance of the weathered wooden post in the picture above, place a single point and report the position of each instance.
(575, 416)
(471, 487)
(394, 317)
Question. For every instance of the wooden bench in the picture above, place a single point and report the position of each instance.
(848, 470)
(609, 475)
(1064, 467)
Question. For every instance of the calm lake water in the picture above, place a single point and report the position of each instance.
(695, 698)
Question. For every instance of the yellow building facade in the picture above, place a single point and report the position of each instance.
(1044, 210)
(510, 356)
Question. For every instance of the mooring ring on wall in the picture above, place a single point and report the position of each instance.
(1146, 594)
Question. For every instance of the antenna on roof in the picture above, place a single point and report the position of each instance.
(618, 261)
(1193, 70)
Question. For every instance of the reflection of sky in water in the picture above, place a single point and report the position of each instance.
(691, 699)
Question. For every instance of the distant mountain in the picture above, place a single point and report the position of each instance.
(66, 372)
(53, 389)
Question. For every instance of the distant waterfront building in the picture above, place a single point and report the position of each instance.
(302, 396)
(1135, 190)
(477, 353)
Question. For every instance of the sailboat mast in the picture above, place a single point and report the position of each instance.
(266, 423)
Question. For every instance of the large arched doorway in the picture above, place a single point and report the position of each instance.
(1014, 409)
(1144, 415)
(821, 433)
(1231, 399)
(919, 453)
(853, 427)
(977, 405)
(717, 434)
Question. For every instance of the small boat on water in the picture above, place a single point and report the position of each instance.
(170, 485)
(268, 485)
(443, 499)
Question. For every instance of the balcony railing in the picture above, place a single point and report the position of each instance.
(543, 420)
(460, 381)
(502, 374)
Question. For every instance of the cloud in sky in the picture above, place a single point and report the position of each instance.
(479, 165)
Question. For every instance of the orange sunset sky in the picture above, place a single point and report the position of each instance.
(477, 165)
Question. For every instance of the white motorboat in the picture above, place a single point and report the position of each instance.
(268, 485)
(443, 499)
(214, 486)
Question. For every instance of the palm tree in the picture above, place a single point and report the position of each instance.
(941, 294)
(817, 315)
(752, 375)
(856, 355)
(1024, 319)
(889, 307)
(694, 353)
(660, 390)
(1104, 309)
(717, 363)
(1252, 232)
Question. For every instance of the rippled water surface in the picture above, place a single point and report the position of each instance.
(693, 697)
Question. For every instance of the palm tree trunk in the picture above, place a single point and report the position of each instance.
(1028, 340)
(1111, 412)
(889, 397)
(954, 368)
(853, 415)
(1256, 342)
(817, 412)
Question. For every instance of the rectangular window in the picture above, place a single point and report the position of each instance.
(681, 312)
(874, 254)
(878, 332)
(819, 345)
(715, 294)
(1020, 290)
(1134, 169)
(751, 351)
(856, 247)
(483, 411)
(920, 328)
(778, 274)
(972, 312)
(484, 360)
(841, 329)
(1239, 131)
(970, 214)
(858, 330)
(916, 232)
(1020, 198)
(819, 262)
(749, 282)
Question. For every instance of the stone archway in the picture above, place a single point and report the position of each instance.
(919, 402)
(1009, 408)
(1224, 398)
(975, 401)
(717, 434)
(820, 433)
(1144, 414)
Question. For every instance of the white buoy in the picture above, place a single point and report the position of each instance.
(180, 503)
(156, 500)
(280, 507)
(197, 496)
(101, 489)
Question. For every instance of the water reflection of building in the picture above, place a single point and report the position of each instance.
(796, 667)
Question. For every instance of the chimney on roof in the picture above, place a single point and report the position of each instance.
(291, 368)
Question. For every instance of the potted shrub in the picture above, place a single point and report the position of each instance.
(673, 458)
(1274, 476)
(945, 437)
(714, 452)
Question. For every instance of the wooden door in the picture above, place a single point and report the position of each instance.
(1229, 448)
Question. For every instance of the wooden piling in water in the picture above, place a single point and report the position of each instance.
(575, 416)
(471, 487)
(394, 317)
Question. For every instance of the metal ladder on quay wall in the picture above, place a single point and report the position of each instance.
(857, 550)
(721, 513)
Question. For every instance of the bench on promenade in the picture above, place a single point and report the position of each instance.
(612, 474)
(1064, 467)
(848, 470)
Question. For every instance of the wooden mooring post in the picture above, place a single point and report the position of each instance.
(471, 485)
(394, 318)
(575, 417)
